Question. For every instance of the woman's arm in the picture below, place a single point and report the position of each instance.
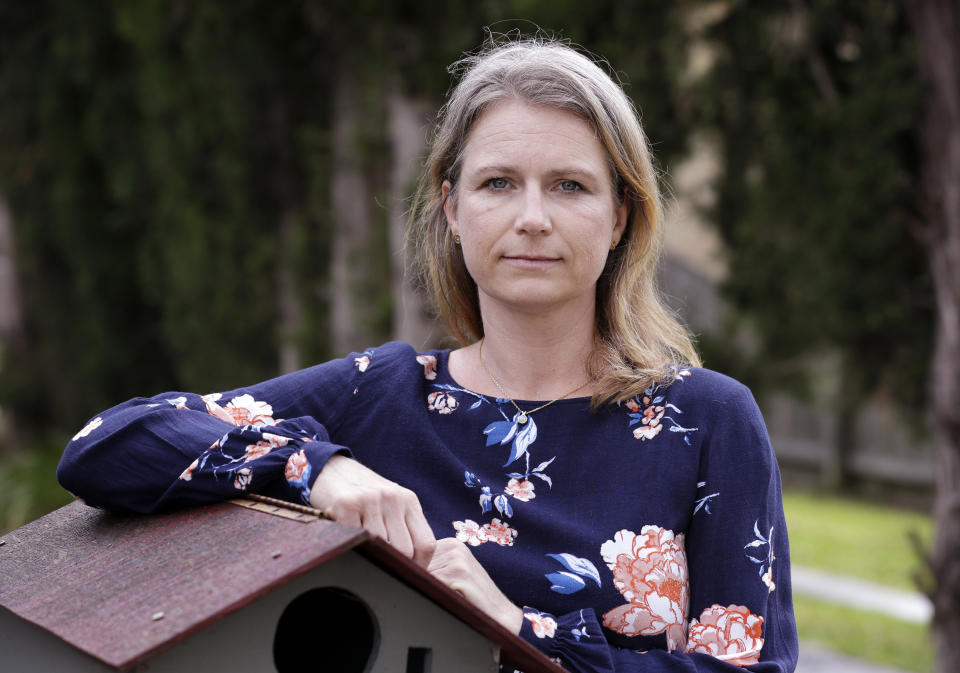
(179, 449)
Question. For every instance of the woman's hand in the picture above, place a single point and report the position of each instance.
(350, 493)
(454, 565)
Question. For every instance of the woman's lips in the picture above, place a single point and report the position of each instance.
(530, 261)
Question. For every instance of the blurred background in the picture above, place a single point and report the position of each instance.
(199, 195)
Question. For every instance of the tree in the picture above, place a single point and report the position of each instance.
(815, 109)
(937, 26)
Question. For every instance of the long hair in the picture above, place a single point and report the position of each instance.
(639, 341)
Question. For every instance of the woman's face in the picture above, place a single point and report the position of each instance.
(534, 208)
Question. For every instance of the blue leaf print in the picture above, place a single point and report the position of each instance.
(542, 466)
(704, 502)
(579, 633)
(580, 566)
(470, 479)
(679, 428)
(476, 404)
(523, 439)
(485, 498)
(764, 561)
(545, 478)
(502, 503)
(500, 431)
(565, 583)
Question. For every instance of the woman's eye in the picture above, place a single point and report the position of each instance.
(498, 183)
(570, 186)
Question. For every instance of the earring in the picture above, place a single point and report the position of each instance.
(456, 239)
(613, 245)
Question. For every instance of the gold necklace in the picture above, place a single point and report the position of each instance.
(523, 417)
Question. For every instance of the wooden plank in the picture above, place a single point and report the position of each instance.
(276, 510)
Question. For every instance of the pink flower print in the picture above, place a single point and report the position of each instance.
(470, 532)
(88, 428)
(242, 478)
(652, 414)
(521, 490)
(650, 570)
(429, 363)
(187, 474)
(258, 450)
(247, 411)
(543, 625)
(732, 634)
(264, 446)
(296, 466)
(647, 432)
(442, 403)
(767, 578)
(241, 410)
(499, 532)
(362, 362)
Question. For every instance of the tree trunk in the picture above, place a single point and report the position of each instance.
(835, 476)
(937, 27)
(11, 313)
(11, 317)
(288, 303)
(352, 217)
(408, 124)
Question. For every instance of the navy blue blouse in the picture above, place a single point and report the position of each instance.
(646, 536)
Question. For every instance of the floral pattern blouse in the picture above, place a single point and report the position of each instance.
(647, 536)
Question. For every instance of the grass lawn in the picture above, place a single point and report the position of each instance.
(855, 538)
(865, 635)
(870, 542)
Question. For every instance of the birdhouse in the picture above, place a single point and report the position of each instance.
(255, 587)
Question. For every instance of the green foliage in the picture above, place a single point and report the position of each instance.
(160, 161)
(28, 488)
(167, 163)
(816, 114)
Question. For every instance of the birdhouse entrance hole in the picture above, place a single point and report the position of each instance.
(327, 629)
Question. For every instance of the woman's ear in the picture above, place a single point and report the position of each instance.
(621, 215)
(449, 206)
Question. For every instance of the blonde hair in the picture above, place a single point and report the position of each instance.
(639, 341)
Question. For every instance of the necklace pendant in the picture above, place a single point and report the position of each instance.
(522, 418)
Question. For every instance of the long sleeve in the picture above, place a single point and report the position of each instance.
(178, 449)
(734, 554)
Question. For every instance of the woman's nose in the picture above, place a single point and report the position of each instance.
(533, 218)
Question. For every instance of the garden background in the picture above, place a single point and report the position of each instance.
(197, 195)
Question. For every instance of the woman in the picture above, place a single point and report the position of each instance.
(568, 469)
